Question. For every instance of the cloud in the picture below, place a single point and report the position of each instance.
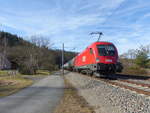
(123, 22)
(56, 19)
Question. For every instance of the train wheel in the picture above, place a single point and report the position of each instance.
(83, 71)
(90, 73)
(79, 71)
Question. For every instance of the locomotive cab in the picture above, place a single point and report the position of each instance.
(106, 58)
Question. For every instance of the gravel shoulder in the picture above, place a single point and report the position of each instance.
(106, 98)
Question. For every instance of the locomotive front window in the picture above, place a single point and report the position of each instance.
(106, 50)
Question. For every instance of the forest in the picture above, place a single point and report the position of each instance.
(29, 56)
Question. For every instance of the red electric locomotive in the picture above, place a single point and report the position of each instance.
(100, 58)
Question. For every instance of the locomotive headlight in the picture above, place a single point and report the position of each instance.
(108, 60)
(97, 59)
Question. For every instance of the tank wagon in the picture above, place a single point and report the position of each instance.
(100, 59)
(69, 65)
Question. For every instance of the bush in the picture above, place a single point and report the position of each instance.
(26, 70)
(142, 57)
(142, 60)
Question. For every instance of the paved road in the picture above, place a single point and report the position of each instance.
(42, 97)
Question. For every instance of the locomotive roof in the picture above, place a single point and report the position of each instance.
(101, 42)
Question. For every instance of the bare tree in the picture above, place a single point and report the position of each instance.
(3, 54)
(38, 52)
(41, 41)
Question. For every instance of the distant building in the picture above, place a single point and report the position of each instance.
(4, 62)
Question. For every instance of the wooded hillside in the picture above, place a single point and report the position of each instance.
(29, 56)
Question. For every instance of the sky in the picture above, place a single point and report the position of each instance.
(126, 23)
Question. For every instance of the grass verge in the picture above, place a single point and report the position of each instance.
(72, 102)
(12, 81)
(9, 85)
(135, 71)
(43, 72)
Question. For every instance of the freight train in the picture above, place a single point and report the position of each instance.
(99, 59)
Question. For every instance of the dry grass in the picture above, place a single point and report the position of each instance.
(9, 85)
(72, 102)
(43, 72)
(135, 71)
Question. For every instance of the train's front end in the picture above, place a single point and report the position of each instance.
(106, 57)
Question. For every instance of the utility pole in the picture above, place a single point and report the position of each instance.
(62, 66)
(63, 59)
(99, 33)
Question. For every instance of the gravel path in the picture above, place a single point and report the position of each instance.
(41, 97)
(105, 98)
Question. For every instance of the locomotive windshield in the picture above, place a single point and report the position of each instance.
(106, 50)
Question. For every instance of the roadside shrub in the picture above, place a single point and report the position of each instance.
(27, 70)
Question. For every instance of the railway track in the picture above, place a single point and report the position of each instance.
(136, 84)
(139, 88)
